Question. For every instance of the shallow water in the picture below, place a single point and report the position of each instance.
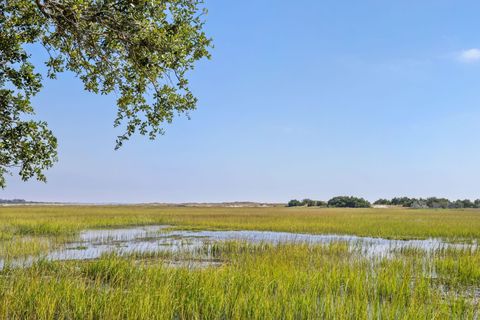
(150, 239)
(94, 243)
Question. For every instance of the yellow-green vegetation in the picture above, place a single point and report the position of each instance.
(247, 281)
(24, 246)
(387, 223)
(254, 282)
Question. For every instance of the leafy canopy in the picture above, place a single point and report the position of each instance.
(139, 49)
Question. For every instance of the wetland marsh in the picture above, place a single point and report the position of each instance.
(148, 262)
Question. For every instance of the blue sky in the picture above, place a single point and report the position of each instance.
(301, 99)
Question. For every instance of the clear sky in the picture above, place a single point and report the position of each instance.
(301, 99)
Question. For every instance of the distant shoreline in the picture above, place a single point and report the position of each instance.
(234, 204)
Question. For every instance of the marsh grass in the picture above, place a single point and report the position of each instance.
(24, 247)
(255, 281)
(455, 225)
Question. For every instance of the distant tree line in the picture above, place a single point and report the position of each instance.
(418, 203)
(306, 203)
(432, 202)
(336, 202)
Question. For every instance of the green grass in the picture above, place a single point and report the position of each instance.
(388, 223)
(253, 281)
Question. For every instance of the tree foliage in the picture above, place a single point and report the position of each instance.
(139, 49)
(340, 202)
(348, 202)
(294, 203)
(415, 203)
(306, 203)
(432, 202)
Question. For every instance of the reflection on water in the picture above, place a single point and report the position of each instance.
(94, 243)
(150, 239)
